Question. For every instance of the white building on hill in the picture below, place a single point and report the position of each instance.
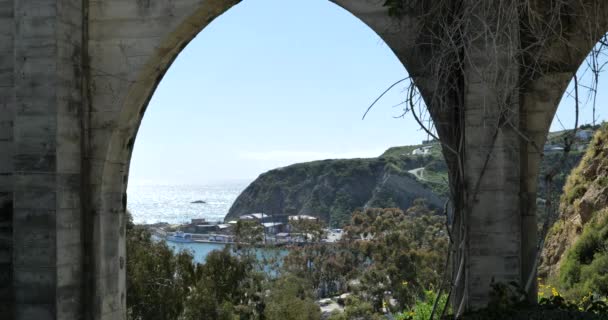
(422, 150)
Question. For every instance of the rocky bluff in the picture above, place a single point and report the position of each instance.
(333, 189)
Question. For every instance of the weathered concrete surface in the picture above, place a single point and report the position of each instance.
(493, 221)
(76, 77)
(7, 107)
(46, 92)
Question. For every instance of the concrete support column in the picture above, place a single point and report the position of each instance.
(539, 101)
(492, 222)
(7, 114)
(47, 277)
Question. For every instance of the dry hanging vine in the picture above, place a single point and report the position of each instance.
(511, 39)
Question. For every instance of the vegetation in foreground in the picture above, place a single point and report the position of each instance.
(390, 262)
(386, 261)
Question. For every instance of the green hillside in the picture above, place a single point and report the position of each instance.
(333, 189)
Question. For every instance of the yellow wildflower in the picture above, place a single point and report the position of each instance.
(554, 292)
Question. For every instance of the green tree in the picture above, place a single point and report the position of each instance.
(383, 250)
(248, 233)
(158, 280)
(165, 285)
(326, 267)
(291, 298)
(311, 229)
(222, 291)
(406, 252)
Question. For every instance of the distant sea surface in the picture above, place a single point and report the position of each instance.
(151, 203)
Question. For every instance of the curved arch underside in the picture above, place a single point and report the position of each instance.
(129, 55)
(78, 82)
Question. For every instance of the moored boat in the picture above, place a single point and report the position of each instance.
(180, 237)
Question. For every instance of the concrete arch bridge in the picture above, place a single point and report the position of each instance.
(76, 76)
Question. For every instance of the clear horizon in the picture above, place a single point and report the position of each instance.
(276, 82)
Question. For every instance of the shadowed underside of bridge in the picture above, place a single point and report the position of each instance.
(76, 77)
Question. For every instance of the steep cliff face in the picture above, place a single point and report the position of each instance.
(583, 204)
(332, 189)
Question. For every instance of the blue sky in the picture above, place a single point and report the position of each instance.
(270, 83)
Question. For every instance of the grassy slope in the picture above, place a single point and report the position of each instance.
(576, 250)
(435, 173)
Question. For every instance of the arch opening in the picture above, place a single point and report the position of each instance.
(115, 157)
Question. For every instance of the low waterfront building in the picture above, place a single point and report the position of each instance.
(302, 217)
(224, 227)
(261, 217)
(273, 227)
(223, 238)
(198, 221)
(206, 228)
(283, 237)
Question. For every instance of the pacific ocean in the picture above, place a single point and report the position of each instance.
(172, 203)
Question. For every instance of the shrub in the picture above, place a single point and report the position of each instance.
(603, 181)
(359, 309)
(574, 193)
(423, 308)
(291, 298)
(585, 268)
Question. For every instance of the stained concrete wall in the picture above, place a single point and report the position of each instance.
(46, 257)
(34, 233)
(7, 110)
(69, 137)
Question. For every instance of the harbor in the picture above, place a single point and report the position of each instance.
(273, 230)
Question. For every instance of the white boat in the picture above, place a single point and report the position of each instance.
(180, 237)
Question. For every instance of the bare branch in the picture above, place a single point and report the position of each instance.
(382, 95)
